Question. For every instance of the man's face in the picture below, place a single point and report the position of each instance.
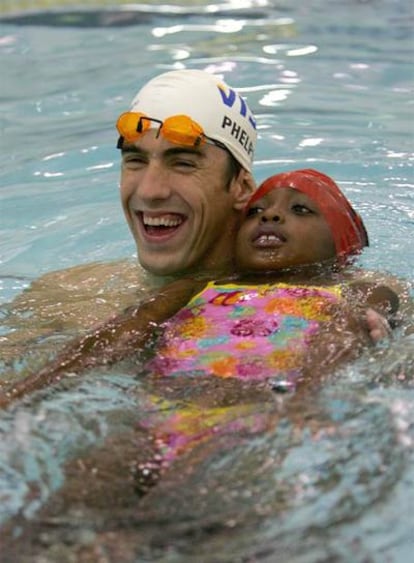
(180, 212)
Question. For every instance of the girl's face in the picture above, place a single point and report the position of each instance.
(283, 229)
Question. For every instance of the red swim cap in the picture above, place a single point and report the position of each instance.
(347, 227)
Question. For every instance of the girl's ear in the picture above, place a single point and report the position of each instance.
(242, 188)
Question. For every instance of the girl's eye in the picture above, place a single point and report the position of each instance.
(253, 211)
(301, 209)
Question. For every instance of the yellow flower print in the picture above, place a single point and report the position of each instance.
(284, 359)
(194, 327)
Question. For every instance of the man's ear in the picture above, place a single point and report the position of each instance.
(242, 188)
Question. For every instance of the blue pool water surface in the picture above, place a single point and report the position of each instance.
(331, 85)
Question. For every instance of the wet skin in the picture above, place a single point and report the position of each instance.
(284, 228)
(180, 212)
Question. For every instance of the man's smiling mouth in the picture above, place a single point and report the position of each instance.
(160, 223)
(165, 220)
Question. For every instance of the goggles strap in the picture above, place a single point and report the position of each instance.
(141, 126)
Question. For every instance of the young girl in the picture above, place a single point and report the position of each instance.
(294, 311)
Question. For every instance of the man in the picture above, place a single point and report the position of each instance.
(182, 202)
(187, 150)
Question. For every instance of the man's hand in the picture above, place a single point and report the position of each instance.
(378, 326)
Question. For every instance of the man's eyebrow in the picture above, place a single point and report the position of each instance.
(131, 149)
(172, 151)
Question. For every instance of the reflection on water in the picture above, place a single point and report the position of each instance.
(328, 480)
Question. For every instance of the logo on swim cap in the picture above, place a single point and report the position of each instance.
(236, 130)
(222, 113)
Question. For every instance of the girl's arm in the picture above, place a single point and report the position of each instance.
(380, 297)
(345, 336)
(375, 297)
(373, 288)
(110, 342)
(384, 307)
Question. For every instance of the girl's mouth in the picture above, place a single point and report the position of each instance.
(268, 238)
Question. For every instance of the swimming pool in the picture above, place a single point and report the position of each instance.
(332, 89)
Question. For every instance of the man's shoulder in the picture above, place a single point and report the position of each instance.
(398, 284)
(69, 301)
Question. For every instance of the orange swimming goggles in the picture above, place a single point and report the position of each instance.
(177, 129)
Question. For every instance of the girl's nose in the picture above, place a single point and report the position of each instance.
(271, 215)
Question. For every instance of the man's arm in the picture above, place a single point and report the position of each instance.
(68, 302)
(110, 342)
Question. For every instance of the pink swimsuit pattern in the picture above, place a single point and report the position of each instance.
(232, 330)
(244, 331)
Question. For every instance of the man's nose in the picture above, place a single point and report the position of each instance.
(153, 182)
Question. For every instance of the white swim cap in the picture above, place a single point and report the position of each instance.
(222, 113)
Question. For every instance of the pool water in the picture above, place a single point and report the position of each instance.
(331, 85)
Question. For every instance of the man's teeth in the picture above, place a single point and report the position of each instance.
(162, 221)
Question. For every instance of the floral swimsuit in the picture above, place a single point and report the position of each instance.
(242, 331)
